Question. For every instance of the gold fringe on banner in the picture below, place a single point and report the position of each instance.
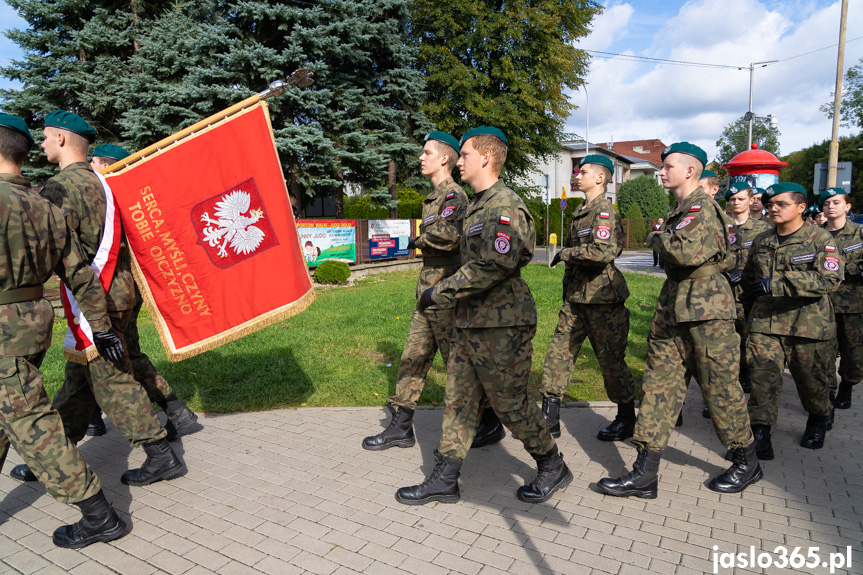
(251, 326)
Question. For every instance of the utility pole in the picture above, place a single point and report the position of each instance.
(750, 115)
(833, 158)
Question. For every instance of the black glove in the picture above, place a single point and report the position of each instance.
(412, 244)
(735, 276)
(761, 286)
(109, 345)
(425, 299)
(556, 259)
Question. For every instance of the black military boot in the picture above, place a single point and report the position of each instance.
(97, 425)
(490, 430)
(161, 463)
(23, 473)
(551, 412)
(816, 430)
(705, 413)
(679, 422)
(744, 472)
(831, 417)
(552, 474)
(179, 416)
(99, 523)
(745, 379)
(441, 485)
(641, 481)
(843, 395)
(623, 425)
(762, 444)
(399, 433)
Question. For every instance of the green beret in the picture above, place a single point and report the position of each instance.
(708, 174)
(757, 191)
(829, 193)
(17, 124)
(110, 151)
(597, 159)
(688, 149)
(445, 138)
(483, 131)
(737, 187)
(72, 122)
(783, 188)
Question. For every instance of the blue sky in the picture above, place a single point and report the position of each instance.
(637, 100)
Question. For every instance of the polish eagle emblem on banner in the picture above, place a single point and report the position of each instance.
(233, 225)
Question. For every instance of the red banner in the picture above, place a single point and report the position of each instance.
(216, 250)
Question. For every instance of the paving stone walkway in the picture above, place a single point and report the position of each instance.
(292, 491)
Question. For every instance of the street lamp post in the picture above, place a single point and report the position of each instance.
(750, 114)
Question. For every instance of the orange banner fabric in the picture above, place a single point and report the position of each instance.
(215, 246)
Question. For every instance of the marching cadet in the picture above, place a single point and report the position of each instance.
(495, 321)
(709, 182)
(660, 221)
(594, 292)
(848, 298)
(77, 191)
(36, 243)
(756, 209)
(692, 330)
(179, 417)
(430, 330)
(738, 198)
(789, 275)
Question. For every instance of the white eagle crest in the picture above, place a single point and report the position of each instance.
(232, 226)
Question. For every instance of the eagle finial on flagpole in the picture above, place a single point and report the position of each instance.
(300, 78)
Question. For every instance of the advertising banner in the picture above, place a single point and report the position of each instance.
(389, 238)
(324, 240)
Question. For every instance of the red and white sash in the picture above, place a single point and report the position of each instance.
(78, 345)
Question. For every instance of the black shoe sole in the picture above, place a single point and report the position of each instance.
(561, 484)
(842, 404)
(554, 434)
(96, 431)
(429, 499)
(396, 443)
(642, 493)
(167, 475)
(623, 437)
(810, 445)
(112, 535)
(737, 489)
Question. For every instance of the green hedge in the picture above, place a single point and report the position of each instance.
(330, 272)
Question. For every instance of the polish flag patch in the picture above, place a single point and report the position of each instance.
(450, 196)
(505, 220)
(829, 249)
(603, 215)
(695, 208)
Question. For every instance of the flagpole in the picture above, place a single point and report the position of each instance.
(299, 78)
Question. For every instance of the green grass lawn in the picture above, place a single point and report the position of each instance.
(344, 350)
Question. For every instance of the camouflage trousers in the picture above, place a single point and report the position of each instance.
(607, 328)
(35, 430)
(709, 350)
(143, 369)
(809, 361)
(492, 362)
(849, 346)
(742, 330)
(430, 331)
(113, 388)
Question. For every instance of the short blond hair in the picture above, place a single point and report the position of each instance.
(493, 144)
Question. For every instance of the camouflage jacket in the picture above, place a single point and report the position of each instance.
(693, 247)
(804, 270)
(35, 243)
(499, 240)
(741, 238)
(595, 238)
(440, 234)
(77, 191)
(848, 297)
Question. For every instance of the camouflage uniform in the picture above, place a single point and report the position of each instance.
(794, 323)
(693, 329)
(37, 242)
(430, 330)
(495, 321)
(594, 292)
(78, 193)
(848, 306)
(741, 237)
(143, 369)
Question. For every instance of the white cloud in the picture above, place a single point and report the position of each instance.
(608, 27)
(635, 100)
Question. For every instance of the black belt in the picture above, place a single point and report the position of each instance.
(439, 261)
(21, 294)
(679, 275)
